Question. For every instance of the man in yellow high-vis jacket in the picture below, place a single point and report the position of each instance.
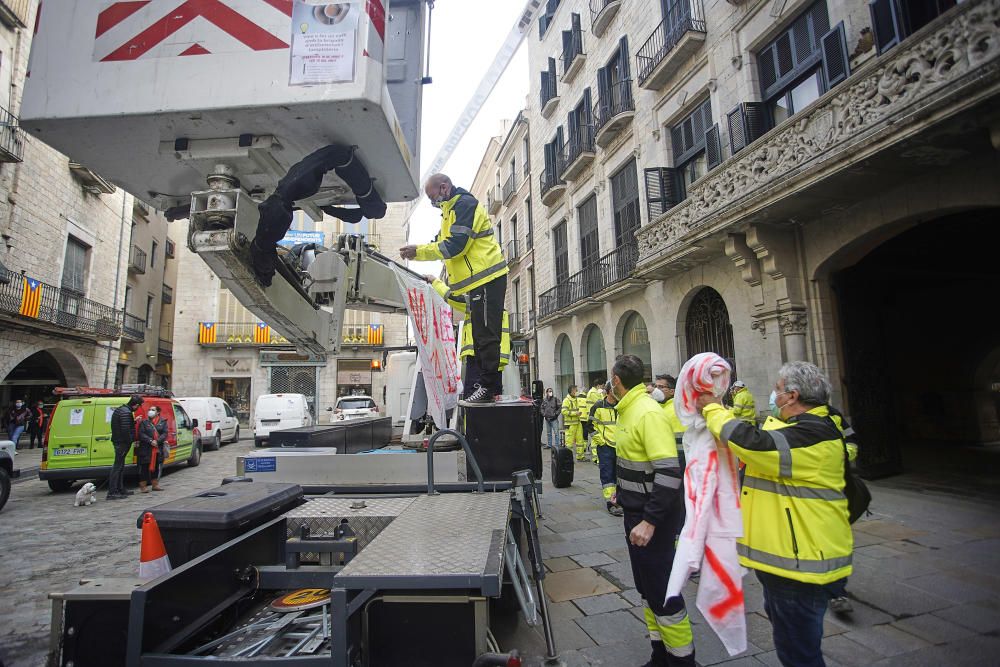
(603, 420)
(571, 419)
(796, 533)
(476, 269)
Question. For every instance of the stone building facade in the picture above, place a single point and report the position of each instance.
(238, 366)
(65, 253)
(775, 180)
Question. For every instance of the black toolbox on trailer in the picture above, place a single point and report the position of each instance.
(349, 436)
(504, 438)
(195, 525)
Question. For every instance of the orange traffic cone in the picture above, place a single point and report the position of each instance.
(153, 559)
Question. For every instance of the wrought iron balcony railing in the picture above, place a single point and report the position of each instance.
(31, 301)
(166, 348)
(548, 93)
(550, 185)
(513, 250)
(493, 200)
(11, 137)
(607, 271)
(572, 50)
(168, 293)
(137, 260)
(134, 328)
(15, 12)
(601, 14)
(578, 152)
(617, 105)
(683, 17)
(509, 187)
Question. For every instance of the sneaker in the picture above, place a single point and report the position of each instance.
(841, 605)
(615, 510)
(478, 398)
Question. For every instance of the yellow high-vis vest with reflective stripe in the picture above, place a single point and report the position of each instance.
(475, 264)
(570, 410)
(794, 509)
(593, 396)
(743, 406)
(675, 423)
(603, 421)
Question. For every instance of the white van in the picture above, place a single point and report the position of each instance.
(216, 420)
(399, 369)
(276, 412)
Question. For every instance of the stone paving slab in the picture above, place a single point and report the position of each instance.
(600, 604)
(579, 583)
(596, 558)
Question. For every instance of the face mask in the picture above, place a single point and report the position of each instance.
(18, 404)
(658, 395)
(151, 414)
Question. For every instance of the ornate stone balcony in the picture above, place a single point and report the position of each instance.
(948, 67)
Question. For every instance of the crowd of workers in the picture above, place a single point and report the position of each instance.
(796, 536)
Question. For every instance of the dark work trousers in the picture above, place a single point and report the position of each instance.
(486, 315)
(116, 481)
(796, 611)
(145, 458)
(607, 460)
(651, 571)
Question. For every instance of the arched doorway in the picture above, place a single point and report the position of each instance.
(35, 377)
(635, 340)
(564, 365)
(920, 358)
(707, 327)
(597, 362)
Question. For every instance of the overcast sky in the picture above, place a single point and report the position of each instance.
(465, 36)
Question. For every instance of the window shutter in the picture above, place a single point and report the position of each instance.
(713, 147)
(746, 125)
(574, 21)
(587, 121)
(836, 67)
(623, 59)
(604, 89)
(661, 190)
(886, 24)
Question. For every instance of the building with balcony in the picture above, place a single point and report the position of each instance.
(508, 162)
(66, 254)
(807, 180)
(221, 349)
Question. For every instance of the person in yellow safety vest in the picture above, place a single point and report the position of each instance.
(796, 533)
(584, 408)
(594, 394)
(743, 403)
(476, 269)
(571, 419)
(650, 491)
(603, 417)
(666, 384)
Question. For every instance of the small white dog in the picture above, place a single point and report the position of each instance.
(87, 495)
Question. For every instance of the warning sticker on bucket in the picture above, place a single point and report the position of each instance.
(260, 464)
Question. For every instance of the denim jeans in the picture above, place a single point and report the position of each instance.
(607, 459)
(796, 611)
(552, 430)
(15, 434)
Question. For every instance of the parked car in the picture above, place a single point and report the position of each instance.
(354, 407)
(78, 439)
(7, 470)
(217, 421)
(275, 412)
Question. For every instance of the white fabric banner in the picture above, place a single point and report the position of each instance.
(431, 317)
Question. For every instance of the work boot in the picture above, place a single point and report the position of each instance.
(659, 656)
(841, 605)
(615, 510)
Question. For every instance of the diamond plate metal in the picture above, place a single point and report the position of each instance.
(449, 534)
(323, 515)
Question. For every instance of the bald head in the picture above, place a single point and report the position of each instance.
(437, 185)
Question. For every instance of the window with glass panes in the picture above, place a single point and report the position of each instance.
(528, 238)
(74, 278)
(561, 253)
(590, 250)
(152, 254)
(791, 66)
(625, 203)
(688, 140)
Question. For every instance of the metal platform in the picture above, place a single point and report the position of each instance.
(450, 541)
(323, 515)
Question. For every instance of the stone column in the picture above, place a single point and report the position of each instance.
(793, 335)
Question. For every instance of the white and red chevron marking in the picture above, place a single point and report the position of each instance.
(169, 28)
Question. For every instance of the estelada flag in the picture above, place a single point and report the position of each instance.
(206, 332)
(375, 336)
(31, 297)
(261, 333)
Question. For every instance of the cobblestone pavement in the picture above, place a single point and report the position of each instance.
(47, 545)
(925, 588)
(926, 584)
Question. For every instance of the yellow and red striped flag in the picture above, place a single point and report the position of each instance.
(206, 332)
(262, 333)
(375, 335)
(31, 297)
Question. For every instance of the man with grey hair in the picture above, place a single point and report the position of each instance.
(796, 533)
(477, 273)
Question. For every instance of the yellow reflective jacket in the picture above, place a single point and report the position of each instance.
(571, 410)
(604, 418)
(648, 469)
(593, 396)
(794, 509)
(583, 407)
(468, 347)
(466, 243)
(676, 427)
(743, 406)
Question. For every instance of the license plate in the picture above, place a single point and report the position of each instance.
(69, 451)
